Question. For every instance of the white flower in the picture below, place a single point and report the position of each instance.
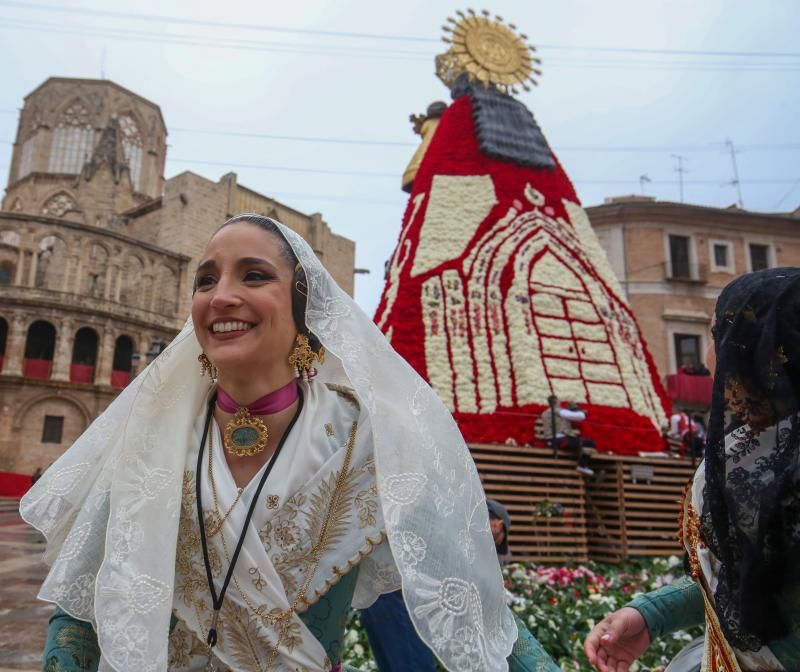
(358, 650)
(351, 637)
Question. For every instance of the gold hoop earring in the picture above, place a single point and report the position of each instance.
(303, 358)
(206, 367)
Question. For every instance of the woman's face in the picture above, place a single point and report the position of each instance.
(242, 306)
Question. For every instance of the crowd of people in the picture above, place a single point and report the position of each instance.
(231, 520)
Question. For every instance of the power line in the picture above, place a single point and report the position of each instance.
(161, 19)
(395, 176)
(296, 138)
(222, 43)
(662, 149)
(214, 24)
(787, 194)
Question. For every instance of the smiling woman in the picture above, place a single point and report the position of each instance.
(232, 524)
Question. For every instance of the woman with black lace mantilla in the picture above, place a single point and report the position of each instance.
(740, 520)
(231, 521)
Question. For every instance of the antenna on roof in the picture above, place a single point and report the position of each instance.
(735, 181)
(680, 170)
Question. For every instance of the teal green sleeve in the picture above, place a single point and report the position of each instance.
(327, 618)
(528, 655)
(71, 645)
(677, 606)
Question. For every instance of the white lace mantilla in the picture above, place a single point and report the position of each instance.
(110, 507)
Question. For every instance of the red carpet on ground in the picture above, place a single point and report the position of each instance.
(14, 485)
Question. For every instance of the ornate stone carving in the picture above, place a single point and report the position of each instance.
(59, 205)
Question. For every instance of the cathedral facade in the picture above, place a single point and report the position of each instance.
(97, 252)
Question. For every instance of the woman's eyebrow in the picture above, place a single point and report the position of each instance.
(205, 265)
(255, 261)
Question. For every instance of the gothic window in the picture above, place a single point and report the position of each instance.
(41, 341)
(26, 158)
(132, 146)
(59, 205)
(84, 349)
(28, 153)
(72, 140)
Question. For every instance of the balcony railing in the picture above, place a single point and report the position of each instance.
(81, 373)
(120, 379)
(685, 272)
(37, 368)
(688, 389)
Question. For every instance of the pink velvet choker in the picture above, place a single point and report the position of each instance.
(274, 402)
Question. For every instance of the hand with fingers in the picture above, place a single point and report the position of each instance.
(617, 641)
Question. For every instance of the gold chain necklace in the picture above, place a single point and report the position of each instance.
(222, 520)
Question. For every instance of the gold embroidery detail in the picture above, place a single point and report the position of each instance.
(340, 486)
(328, 429)
(344, 392)
(718, 655)
(272, 501)
(689, 532)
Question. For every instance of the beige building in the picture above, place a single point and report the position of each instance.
(97, 251)
(673, 260)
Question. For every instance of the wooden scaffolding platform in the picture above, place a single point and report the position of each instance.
(629, 508)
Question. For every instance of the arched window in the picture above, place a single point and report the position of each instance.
(84, 356)
(123, 361)
(132, 146)
(7, 272)
(72, 140)
(40, 345)
(3, 339)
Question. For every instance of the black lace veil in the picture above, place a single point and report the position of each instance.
(751, 511)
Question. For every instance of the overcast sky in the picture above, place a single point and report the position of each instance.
(626, 85)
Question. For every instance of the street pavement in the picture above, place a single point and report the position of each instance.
(23, 618)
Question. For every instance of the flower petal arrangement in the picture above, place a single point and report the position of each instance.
(500, 294)
(560, 604)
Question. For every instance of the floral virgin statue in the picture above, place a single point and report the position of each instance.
(498, 291)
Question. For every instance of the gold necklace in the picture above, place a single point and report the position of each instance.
(222, 520)
(245, 435)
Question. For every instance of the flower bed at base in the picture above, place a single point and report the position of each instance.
(560, 604)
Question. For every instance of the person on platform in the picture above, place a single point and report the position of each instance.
(740, 520)
(561, 423)
(500, 524)
(685, 429)
(231, 521)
